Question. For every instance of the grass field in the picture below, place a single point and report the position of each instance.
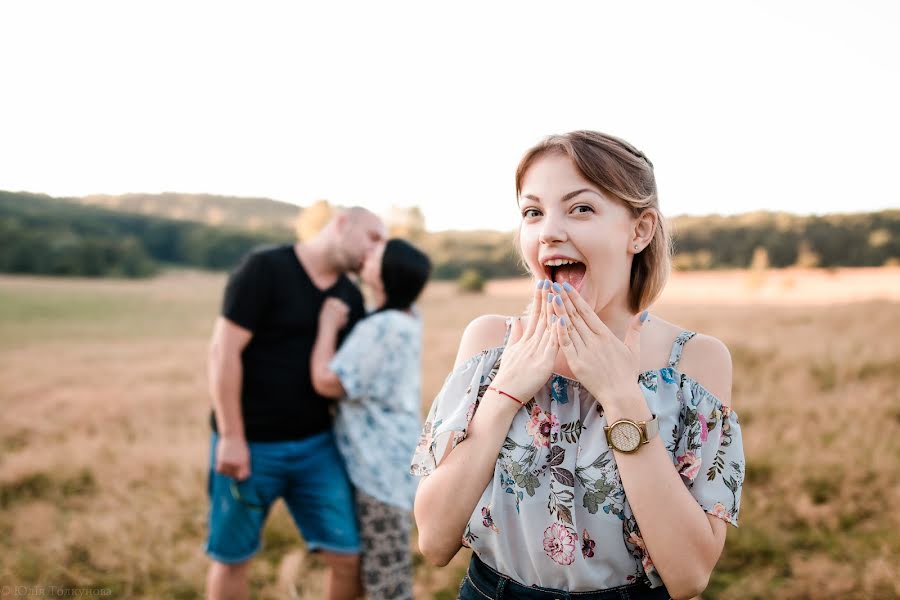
(104, 441)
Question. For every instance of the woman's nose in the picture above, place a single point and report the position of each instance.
(553, 231)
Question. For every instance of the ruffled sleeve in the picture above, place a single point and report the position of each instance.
(710, 453)
(374, 356)
(453, 409)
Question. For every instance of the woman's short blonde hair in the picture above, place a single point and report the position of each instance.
(622, 172)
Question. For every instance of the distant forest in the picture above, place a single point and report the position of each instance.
(48, 236)
(137, 235)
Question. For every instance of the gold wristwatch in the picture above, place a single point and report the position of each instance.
(628, 436)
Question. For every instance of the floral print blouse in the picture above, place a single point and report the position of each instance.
(555, 514)
(378, 422)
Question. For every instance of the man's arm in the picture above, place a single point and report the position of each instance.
(225, 373)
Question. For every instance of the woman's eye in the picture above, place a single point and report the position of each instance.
(579, 208)
(530, 212)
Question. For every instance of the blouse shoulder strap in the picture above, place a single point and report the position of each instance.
(678, 347)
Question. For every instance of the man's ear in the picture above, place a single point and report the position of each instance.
(340, 221)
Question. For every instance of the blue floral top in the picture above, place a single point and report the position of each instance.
(555, 514)
(378, 423)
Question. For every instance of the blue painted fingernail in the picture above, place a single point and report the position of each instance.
(562, 321)
(644, 315)
(546, 284)
(557, 288)
(540, 283)
(553, 319)
(567, 287)
(549, 297)
(559, 300)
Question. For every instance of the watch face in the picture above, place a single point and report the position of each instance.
(625, 436)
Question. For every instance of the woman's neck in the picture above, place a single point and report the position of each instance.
(379, 298)
(616, 318)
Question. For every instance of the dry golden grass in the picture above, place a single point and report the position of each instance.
(104, 443)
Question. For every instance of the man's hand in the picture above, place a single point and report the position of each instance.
(233, 457)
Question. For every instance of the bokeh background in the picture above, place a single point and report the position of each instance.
(146, 147)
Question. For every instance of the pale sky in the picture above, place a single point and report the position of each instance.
(765, 105)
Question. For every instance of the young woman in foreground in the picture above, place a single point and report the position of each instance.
(585, 447)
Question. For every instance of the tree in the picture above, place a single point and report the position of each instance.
(408, 223)
(806, 258)
(760, 260)
(470, 281)
(311, 220)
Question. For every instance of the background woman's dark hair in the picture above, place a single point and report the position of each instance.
(404, 272)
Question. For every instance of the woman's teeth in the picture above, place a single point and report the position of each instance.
(559, 262)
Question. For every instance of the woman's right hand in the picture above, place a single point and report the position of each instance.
(527, 364)
(334, 314)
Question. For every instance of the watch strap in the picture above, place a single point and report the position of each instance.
(650, 429)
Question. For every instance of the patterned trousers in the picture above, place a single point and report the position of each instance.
(386, 561)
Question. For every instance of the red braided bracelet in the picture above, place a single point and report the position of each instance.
(490, 387)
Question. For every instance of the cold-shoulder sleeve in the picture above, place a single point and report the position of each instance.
(710, 453)
(453, 409)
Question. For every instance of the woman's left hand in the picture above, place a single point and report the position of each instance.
(605, 365)
(334, 314)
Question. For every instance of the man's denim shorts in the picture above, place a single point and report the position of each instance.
(308, 474)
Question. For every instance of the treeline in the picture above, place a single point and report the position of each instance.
(255, 214)
(492, 254)
(46, 236)
(752, 240)
(43, 235)
(785, 240)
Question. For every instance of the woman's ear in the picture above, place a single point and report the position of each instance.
(644, 228)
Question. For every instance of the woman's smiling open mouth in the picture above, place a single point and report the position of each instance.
(564, 270)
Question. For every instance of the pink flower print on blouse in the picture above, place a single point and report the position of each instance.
(559, 544)
(720, 511)
(587, 544)
(704, 429)
(487, 520)
(638, 541)
(688, 465)
(726, 424)
(424, 439)
(542, 426)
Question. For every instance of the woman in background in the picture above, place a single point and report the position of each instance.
(564, 448)
(376, 376)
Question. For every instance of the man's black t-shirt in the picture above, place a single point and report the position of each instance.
(271, 294)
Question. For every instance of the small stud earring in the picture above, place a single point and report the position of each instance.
(635, 246)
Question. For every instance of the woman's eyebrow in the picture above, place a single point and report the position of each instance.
(565, 198)
(571, 195)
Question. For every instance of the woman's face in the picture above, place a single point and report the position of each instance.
(567, 218)
(371, 270)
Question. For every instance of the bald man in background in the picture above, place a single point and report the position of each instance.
(271, 432)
